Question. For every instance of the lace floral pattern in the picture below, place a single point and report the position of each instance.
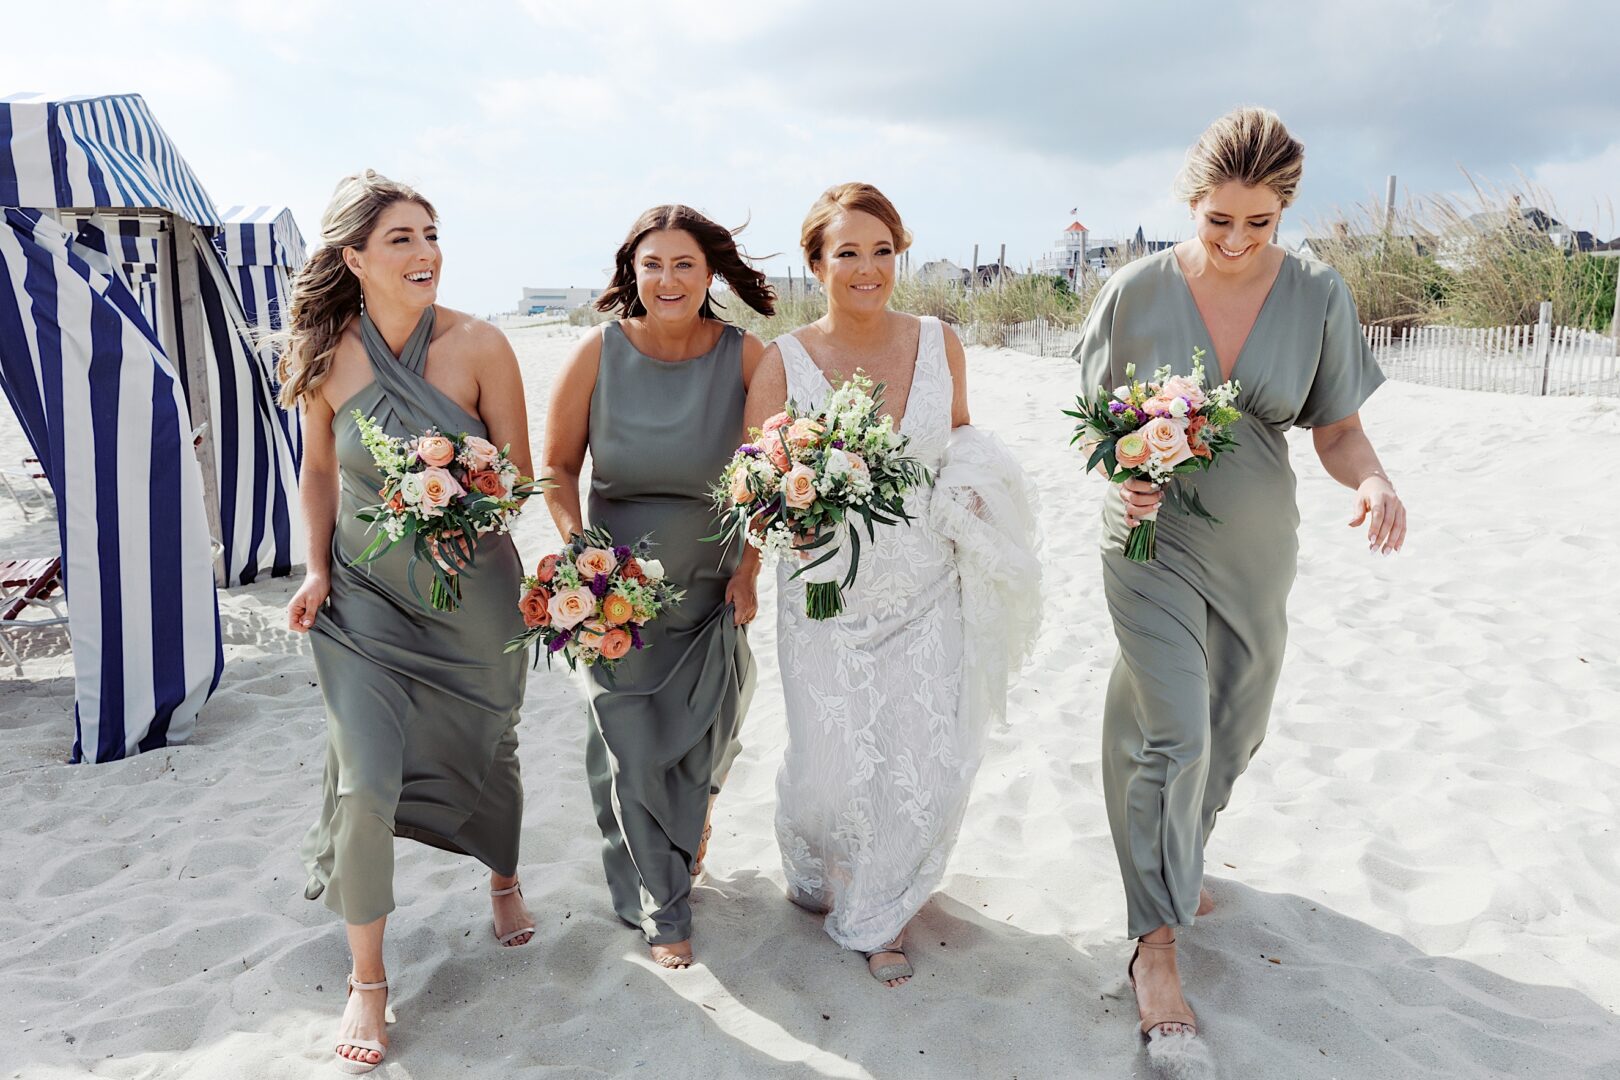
(881, 752)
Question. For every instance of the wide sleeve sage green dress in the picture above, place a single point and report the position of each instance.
(664, 722)
(1201, 630)
(422, 706)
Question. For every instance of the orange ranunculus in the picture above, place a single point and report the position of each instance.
(547, 569)
(615, 643)
(487, 483)
(617, 609)
(535, 606)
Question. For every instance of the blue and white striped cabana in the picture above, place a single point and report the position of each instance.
(120, 329)
(264, 249)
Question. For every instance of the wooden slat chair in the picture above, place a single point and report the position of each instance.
(31, 474)
(27, 584)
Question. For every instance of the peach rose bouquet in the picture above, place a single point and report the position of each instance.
(1157, 431)
(591, 600)
(807, 479)
(443, 492)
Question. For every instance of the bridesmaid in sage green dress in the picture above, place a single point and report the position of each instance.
(422, 706)
(1201, 629)
(657, 398)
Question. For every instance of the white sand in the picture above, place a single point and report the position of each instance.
(1427, 846)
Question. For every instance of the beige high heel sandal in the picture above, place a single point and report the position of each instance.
(349, 1065)
(506, 939)
(1185, 1017)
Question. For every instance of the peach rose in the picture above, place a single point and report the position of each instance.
(803, 432)
(780, 420)
(547, 569)
(1166, 441)
(799, 487)
(1131, 451)
(590, 635)
(480, 453)
(439, 487)
(536, 607)
(593, 561)
(775, 452)
(570, 607)
(615, 643)
(1183, 386)
(487, 483)
(435, 450)
(741, 494)
(616, 609)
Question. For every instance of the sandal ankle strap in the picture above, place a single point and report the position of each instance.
(355, 984)
(1145, 944)
(517, 887)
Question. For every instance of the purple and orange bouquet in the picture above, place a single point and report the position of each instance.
(591, 600)
(806, 477)
(443, 492)
(1156, 431)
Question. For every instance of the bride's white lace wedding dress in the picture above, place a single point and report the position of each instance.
(888, 704)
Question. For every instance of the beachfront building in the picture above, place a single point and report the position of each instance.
(942, 270)
(1078, 253)
(540, 301)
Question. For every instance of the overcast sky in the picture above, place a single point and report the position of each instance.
(541, 129)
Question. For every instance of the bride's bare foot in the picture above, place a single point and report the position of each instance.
(1206, 902)
(678, 955)
(1157, 983)
(364, 1021)
(513, 924)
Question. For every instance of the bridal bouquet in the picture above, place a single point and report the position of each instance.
(590, 600)
(806, 476)
(442, 492)
(1157, 431)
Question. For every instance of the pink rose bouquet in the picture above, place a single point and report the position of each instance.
(806, 476)
(590, 600)
(444, 492)
(1157, 431)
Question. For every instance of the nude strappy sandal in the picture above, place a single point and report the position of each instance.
(886, 972)
(507, 939)
(349, 1065)
(1185, 1018)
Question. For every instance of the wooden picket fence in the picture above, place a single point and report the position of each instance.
(1538, 359)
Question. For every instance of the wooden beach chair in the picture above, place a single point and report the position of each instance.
(27, 585)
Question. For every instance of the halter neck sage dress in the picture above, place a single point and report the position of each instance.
(664, 722)
(1201, 629)
(422, 706)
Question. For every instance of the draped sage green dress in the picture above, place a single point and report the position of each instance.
(1201, 630)
(664, 722)
(422, 706)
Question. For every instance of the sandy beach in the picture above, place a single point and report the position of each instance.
(1419, 875)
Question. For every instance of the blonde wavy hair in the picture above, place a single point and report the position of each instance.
(1249, 145)
(326, 294)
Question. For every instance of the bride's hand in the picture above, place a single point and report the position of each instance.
(743, 596)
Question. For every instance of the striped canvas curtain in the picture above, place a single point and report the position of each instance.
(103, 409)
(264, 250)
(258, 480)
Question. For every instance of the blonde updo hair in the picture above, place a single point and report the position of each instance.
(326, 294)
(1248, 145)
(841, 198)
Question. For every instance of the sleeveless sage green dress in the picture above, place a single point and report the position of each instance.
(664, 722)
(1201, 630)
(422, 706)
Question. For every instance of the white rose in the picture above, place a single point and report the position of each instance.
(837, 463)
(410, 489)
(1122, 393)
(653, 569)
(1178, 407)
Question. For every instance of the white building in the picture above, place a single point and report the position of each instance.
(539, 301)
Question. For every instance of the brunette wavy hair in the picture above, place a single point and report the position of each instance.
(726, 260)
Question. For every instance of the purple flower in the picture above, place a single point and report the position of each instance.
(1116, 406)
(749, 449)
(599, 586)
(635, 636)
(559, 643)
(838, 444)
(621, 553)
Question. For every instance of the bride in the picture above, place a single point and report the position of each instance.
(887, 712)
